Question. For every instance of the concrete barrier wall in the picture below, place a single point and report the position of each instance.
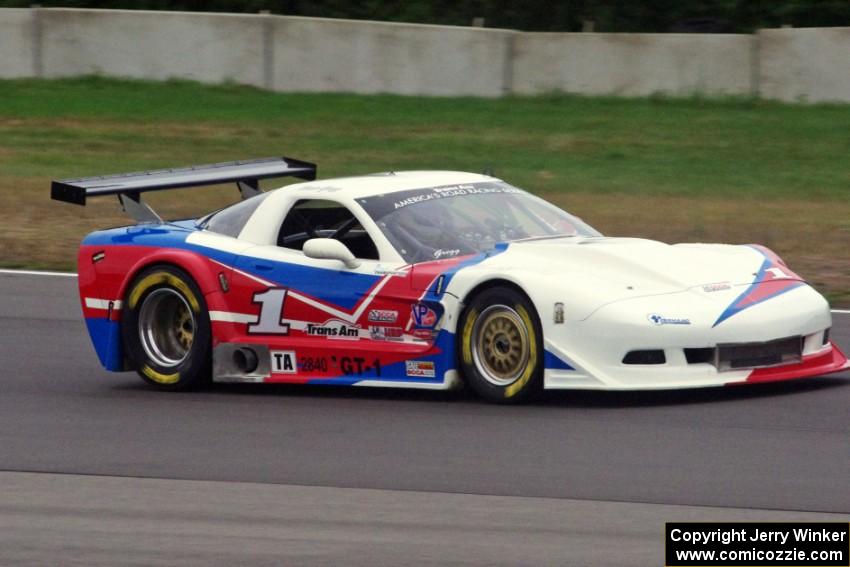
(313, 54)
(17, 38)
(633, 64)
(152, 45)
(805, 64)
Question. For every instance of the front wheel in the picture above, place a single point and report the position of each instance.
(501, 346)
(165, 329)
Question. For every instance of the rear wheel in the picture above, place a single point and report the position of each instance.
(501, 346)
(165, 328)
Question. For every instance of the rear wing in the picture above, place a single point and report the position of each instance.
(130, 186)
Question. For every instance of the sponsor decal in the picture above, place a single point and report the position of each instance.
(454, 191)
(424, 334)
(386, 333)
(420, 368)
(384, 271)
(712, 287)
(657, 319)
(559, 313)
(283, 361)
(333, 329)
(423, 316)
(382, 316)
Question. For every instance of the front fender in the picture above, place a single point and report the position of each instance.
(579, 294)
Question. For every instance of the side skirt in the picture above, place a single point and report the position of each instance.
(251, 363)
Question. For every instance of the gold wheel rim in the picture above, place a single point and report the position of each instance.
(184, 327)
(500, 345)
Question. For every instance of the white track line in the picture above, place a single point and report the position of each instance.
(73, 275)
(38, 273)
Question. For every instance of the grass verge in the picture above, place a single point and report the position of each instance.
(731, 170)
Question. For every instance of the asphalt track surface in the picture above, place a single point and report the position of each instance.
(100, 469)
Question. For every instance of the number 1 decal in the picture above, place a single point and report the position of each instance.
(778, 274)
(271, 313)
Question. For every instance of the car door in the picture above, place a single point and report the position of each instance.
(333, 323)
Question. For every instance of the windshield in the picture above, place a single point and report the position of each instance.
(443, 222)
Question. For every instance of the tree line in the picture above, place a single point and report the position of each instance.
(716, 16)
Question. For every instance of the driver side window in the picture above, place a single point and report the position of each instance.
(320, 218)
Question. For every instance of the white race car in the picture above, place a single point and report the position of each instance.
(428, 279)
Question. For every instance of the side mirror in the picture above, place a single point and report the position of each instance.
(330, 249)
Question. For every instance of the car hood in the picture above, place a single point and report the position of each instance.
(591, 272)
(652, 266)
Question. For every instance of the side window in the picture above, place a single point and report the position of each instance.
(319, 218)
(231, 221)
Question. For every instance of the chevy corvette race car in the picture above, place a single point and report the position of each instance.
(427, 279)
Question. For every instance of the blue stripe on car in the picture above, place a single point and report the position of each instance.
(347, 290)
(551, 361)
(106, 337)
(736, 307)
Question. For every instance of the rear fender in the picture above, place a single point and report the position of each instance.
(204, 271)
(109, 281)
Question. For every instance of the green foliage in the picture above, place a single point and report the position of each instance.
(555, 143)
(530, 15)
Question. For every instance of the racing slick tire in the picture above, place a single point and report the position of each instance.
(165, 329)
(501, 346)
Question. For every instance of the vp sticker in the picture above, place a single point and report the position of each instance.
(424, 316)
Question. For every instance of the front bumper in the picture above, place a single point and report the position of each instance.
(595, 348)
(826, 362)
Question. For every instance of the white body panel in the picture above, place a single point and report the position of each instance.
(611, 286)
(610, 289)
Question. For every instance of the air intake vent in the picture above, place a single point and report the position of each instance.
(645, 357)
(699, 355)
(826, 337)
(755, 355)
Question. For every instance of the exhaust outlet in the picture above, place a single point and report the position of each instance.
(245, 360)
